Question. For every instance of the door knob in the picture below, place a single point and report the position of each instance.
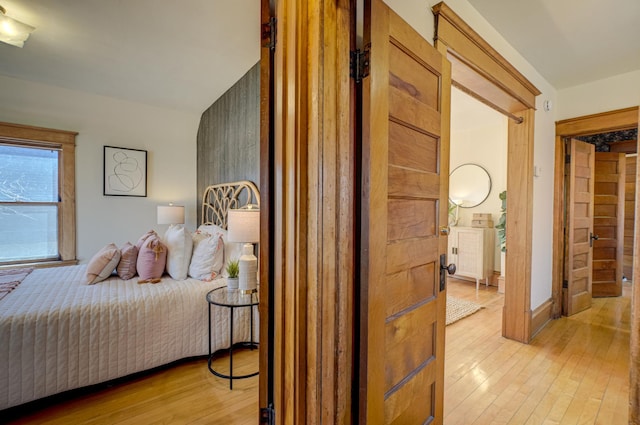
(444, 230)
(451, 268)
(592, 238)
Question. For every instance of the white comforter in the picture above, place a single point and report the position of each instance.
(56, 333)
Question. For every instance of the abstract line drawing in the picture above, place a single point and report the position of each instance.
(125, 172)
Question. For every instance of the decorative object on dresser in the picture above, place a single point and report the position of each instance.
(244, 226)
(471, 250)
(482, 220)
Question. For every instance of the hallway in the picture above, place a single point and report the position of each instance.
(576, 370)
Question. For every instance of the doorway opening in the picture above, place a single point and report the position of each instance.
(478, 139)
(480, 71)
(613, 135)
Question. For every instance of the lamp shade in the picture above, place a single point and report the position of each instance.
(13, 31)
(243, 225)
(170, 214)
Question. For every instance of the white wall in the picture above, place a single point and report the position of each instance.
(618, 92)
(418, 14)
(479, 136)
(169, 137)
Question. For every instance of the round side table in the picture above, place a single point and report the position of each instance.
(232, 299)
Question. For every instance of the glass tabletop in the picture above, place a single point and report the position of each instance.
(232, 297)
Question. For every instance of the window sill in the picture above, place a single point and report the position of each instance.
(41, 264)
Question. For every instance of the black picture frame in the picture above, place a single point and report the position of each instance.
(124, 172)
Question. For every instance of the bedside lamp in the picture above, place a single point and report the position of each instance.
(170, 214)
(243, 226)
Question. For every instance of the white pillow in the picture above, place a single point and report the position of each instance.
(232, 250)
(208, 255)
(179, 248)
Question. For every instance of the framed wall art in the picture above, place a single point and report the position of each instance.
(125, 172)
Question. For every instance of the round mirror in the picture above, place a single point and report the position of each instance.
(469, 185)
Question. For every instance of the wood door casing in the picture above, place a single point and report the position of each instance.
(608, 224)
(490, 71)
(579, 227)
(312, 159)
(629, 214)
(406, 102)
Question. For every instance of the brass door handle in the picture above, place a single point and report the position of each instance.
(444, 230)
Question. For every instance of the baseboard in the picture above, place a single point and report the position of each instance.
(540, 316)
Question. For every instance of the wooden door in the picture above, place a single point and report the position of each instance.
(608, 224)
(405, 157)
(629, 214)
(579, 227)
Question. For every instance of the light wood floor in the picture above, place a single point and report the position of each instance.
(186, 393)
(575, 371)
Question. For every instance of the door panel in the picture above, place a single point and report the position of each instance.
(579, 228)
(608, 224)
(404, 181)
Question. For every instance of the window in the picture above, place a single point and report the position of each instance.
(37, 195)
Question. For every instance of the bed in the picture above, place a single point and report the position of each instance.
(57, 333)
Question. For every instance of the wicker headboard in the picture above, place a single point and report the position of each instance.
(219, 198)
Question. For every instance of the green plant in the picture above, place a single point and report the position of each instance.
(502, 222)
(453, 220)
(233, 268)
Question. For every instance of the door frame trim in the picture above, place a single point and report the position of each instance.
(479, 70)
(311, 206)
(619, 119)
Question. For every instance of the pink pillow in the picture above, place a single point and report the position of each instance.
(144, 238)
(128, 257)
(152, 259)
(102, 264)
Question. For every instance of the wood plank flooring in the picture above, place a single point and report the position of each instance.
(575, 371)
(184, 393)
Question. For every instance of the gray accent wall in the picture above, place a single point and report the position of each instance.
(229, 136)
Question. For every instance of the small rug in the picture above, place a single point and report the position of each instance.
(11, 278)
(458, 309)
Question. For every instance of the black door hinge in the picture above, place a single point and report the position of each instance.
(269, 34)
(359, 63)
(268, 415)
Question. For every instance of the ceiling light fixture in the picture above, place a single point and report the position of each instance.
(13, 32)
